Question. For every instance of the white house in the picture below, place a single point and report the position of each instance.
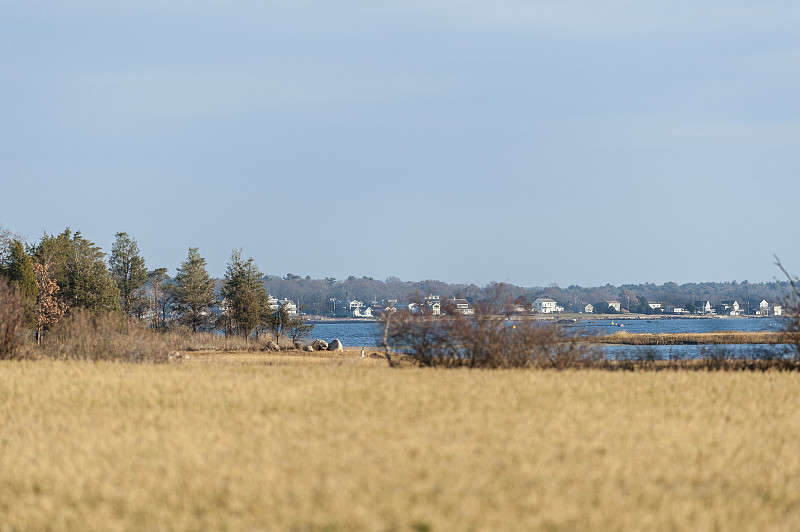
(273, 303)
(402, 306)
(356, 304)
(764, 308)
(702, 307)
(588, 309)
(460, 306)
(361, 312)
(759, 308)
(434, 304)
(291, 306)
(729, 308)
(545, 305)
(614, 304)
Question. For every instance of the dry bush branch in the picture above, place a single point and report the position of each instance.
(791, 313)
(487, 340)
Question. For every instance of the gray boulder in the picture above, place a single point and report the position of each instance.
(319, 345)
(272, 346)
(309, 348)
(335, 345)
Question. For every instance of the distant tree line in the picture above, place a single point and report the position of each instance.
(68, 271)
(63, 273)
(318, 295)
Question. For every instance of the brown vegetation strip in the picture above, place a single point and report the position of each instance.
(714, 338)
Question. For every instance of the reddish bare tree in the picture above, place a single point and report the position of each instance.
(48, 307)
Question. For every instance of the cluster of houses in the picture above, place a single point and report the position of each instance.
(433, 305)
(762, 307)
(733, 308)
(222, 308)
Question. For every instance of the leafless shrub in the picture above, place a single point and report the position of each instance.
(13, 332)
(676, 361)
(108, 336)
(487, 340)
(791, 321)
(645, 357)
(716, 358)
(423, 337)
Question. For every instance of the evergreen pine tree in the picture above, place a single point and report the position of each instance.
(193, 291)
(127, 269)
(18, 271)
(244, 294)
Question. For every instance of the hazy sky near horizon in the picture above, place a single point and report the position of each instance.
(533, 142)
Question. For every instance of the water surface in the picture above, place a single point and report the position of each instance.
(369, 333)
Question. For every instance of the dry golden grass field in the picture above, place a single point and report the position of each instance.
(255, 441)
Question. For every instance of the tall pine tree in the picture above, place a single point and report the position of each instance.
(244, 295)
(127, 269)
(193, 291)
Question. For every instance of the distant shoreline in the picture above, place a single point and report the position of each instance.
(322, 319)
(571, 317)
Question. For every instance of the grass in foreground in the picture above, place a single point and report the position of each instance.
(342, 443)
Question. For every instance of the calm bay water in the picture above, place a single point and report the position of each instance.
(368, 334)
(680, 325)
(351, 334)
(676, 352)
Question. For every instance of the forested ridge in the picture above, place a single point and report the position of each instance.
(315, 295)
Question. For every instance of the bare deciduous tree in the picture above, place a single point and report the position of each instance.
(49, 309)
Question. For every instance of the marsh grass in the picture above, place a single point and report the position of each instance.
(710, 358)
(713, 338)
(183, 339)
(221, 444)
(346, 358)
(108, 337)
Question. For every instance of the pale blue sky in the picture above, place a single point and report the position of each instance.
(467, 141)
